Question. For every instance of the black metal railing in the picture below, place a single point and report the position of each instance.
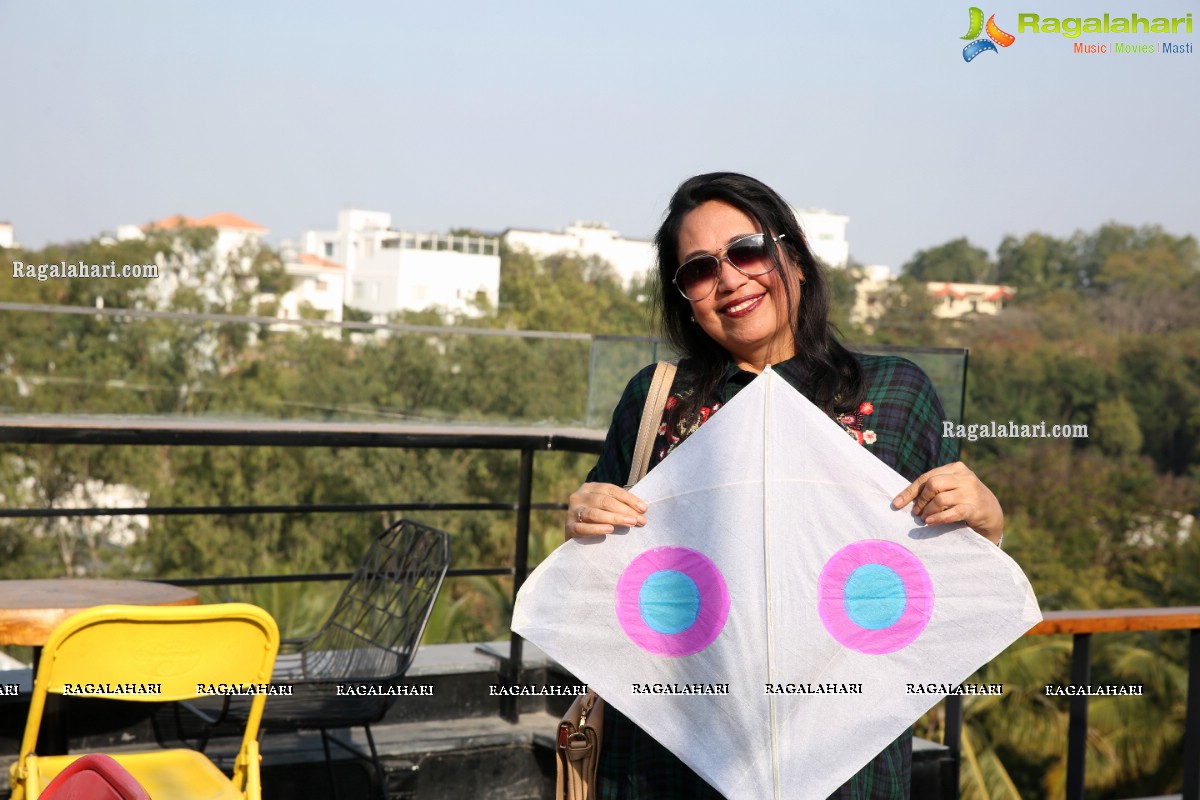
(197, 431)
(527, 442)
(1081, 625)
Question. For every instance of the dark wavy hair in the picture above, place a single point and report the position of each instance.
(835, 381)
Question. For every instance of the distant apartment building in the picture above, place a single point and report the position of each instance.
(233, 232)
(826, 235)
(117, 530)
(869, 293)
(957, 300)
(631, 258)
(389, 270)
(952, 300)
(358, 234)
(216, 274)
(7, 237)
(317, 284)
(318, 289)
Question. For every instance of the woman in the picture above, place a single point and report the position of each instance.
(739, 289)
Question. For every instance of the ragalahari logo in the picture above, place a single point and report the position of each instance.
(994, 34)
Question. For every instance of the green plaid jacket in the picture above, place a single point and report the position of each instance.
(900, 422)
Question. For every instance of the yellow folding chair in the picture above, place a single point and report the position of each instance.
(156, 654)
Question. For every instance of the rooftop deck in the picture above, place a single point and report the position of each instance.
(462, 740)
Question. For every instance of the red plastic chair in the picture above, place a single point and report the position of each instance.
(94, 777)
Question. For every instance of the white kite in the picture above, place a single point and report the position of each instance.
(776, 623)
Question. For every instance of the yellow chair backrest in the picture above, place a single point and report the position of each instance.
(148, 653)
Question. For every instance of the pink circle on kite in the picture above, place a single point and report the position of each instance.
(832, 600)
(714, 601)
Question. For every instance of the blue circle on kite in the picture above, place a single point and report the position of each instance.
(687, 601)
(875, 597)
(669, 601)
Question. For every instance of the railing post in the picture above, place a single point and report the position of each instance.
(1081, 678)
(952, 738)
(1191, 721)
(509, 709)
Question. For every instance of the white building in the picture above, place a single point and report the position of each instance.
(869, 293)
(359, 234)
(7, 237)
(959, 299)
(216, 273)
(83, 534)
(416, 271)
(631, 258)
(234, 232)
(953, 300)
(826, 234)
(318, 285)
(388, 270)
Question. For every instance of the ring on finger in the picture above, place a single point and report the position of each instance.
(579, 514)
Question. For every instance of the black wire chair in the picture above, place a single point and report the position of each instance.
(369, 639)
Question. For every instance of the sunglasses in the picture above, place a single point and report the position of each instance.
(697, 277)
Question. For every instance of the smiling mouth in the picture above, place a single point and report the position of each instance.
(743, 307)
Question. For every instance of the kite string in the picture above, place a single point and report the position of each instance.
(767, 567)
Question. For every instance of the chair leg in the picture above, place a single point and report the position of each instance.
(329, 765)
(379, 773)
(357, 752)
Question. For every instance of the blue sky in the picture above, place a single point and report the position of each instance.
(535, 114)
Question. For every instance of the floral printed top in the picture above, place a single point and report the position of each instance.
(900, 421)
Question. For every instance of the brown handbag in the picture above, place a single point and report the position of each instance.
(582, 728)
(579, 736)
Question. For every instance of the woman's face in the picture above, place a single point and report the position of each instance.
(746, 315)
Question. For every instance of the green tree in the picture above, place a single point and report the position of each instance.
(1163, 374)
(566, 293)
(843, 292)
(907, 315)
(956, 261)
(1150, 290)
(1036, 264)
(1102, 334)
(1096, 248)
(1115, 428)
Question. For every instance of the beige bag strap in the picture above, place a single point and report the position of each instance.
(656, 401)
(580, 733)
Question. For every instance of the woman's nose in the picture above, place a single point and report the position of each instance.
(729, 277)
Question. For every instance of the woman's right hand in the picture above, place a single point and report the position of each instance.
(595, 509)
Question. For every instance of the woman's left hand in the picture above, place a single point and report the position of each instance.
(953, 493)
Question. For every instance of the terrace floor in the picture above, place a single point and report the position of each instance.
(451, 745)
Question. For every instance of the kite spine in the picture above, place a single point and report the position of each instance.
(767, 569)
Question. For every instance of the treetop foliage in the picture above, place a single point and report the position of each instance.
(1103, 332)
